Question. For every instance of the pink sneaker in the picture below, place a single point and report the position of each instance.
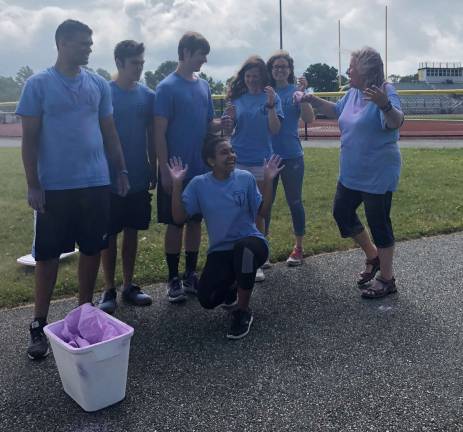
(295, 258)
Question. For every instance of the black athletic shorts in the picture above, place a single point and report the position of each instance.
(132, 211)
(164, 204)
(72, 216)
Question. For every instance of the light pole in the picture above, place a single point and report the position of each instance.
(385, 43)
(281, 28)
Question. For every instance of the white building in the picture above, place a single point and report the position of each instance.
(440, 72)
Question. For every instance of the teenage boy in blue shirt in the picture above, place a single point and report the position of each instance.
(133, 115)
(68, 130)
(183, 115)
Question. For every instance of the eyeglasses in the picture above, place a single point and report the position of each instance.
(280, 67)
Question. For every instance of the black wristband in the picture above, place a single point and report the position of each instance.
(268, 106)
(386, 108)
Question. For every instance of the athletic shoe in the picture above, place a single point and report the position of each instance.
(190, 283)
(231, 300)
(108, 301)
(38, 345)
(267, 264)
(295, 258)
(260, 275)
(135, 296)
(241, 324)
(175, 292)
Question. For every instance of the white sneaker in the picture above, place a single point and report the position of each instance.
(267, 264)
(260, 275)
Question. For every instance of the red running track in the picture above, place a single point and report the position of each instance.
(411, 128)
(329, 129)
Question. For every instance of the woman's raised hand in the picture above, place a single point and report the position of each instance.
(176, 170)
(227, 121)
(230, 111)
(302, 83)
(272, 167)
(376, 95)
(270, 96)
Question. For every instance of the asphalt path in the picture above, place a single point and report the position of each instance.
(10, 142)
(318, 357)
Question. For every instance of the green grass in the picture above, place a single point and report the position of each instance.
(428, 202)
(437, 117)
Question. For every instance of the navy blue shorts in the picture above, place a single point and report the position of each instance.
(72, 216)
(377, 212)
(132, 211)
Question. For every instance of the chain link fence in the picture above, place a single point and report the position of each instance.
(428, 113)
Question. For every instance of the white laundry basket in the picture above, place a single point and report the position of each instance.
(94, 376)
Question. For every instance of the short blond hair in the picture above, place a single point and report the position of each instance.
(369, 66)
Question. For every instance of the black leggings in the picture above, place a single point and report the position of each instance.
(224, 268)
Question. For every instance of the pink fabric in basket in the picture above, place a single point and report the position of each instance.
(87, 325)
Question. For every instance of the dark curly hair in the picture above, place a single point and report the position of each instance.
(237, 87)
(210, 144)
(281, 54)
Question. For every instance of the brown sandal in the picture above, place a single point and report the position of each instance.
(365, 276)
(380, 288)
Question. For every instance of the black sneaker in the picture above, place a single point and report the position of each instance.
(175, 292)
(108, 301)
(190, 283)
(38, 346)
(135, 296)
(241, 324)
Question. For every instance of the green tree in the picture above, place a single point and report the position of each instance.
(393, 78)
(104, 73)
(217, 87)
(9, 89)
(152, 79)
(23, 74)
(322, 77)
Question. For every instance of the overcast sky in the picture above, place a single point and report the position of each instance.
(419, 30)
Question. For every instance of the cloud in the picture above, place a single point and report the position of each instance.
(418, 30)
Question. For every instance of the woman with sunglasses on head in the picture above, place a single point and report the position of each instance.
(255, 115)
(287, 144)
(229, 201)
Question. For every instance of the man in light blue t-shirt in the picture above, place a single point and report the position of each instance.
(183, 115)
(68, 130)
(133, 115)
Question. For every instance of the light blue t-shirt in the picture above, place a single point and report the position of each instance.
(286, 142)
(251, 139)
(370, 157)
(133, 114)
(229, 207)
(188, 107)
(71, 153)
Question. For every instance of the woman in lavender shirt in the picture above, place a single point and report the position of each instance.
(369, 118)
